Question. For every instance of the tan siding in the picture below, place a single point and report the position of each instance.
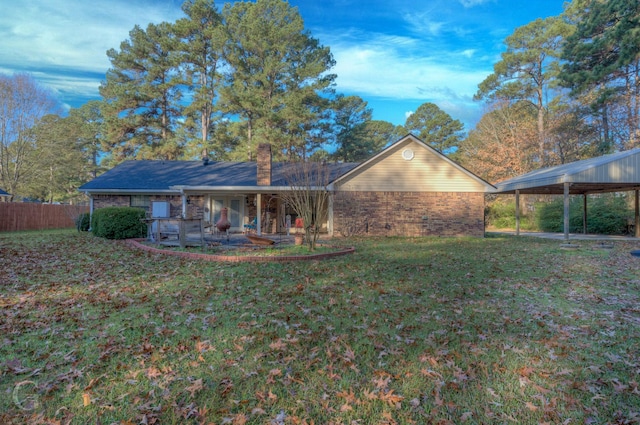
(426, 172)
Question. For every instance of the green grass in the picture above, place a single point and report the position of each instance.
(429, 330)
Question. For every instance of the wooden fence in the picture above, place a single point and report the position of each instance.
(16, 216)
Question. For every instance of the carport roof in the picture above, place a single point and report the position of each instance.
(617, 172)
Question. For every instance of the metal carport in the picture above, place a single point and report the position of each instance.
(618, 172)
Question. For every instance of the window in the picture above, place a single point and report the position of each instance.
(140, 201)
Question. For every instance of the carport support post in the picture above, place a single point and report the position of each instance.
(584, 213)
(637, 214)
(517, 212)
(566, 212)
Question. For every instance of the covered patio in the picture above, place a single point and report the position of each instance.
(618, 172)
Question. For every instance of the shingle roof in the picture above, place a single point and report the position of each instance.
(163, 175)
(609, 172)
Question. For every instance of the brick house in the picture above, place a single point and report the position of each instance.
(408, 189)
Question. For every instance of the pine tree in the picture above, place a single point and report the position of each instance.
(527, 69)
(142, 95)
(201, 39)
(276, 72)
(435, 127)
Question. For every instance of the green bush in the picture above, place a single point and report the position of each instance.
(119, 223)
(83, 221)
(606, 215)
(501, 214)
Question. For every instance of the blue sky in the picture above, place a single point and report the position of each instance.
(396, 55)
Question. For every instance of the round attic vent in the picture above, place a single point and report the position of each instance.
(407, 154)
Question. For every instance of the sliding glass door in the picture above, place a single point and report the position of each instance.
(235, 212)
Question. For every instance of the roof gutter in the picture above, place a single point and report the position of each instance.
(129, 191)
(237, 189)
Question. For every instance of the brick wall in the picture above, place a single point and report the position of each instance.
(102, 201)
(408, 214)
(195, 207)
(264, 165)
(371, 213)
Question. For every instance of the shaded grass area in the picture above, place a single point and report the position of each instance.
(494, 330)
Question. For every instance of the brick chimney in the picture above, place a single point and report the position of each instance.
(264, 165)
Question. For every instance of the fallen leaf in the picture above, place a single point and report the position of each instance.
(349, 397)
(466, 416)
(492, 392)
(195, 387)
(525, 371)
(272, 374)
(346, 408)
(382, 381)
(391, 398)
(240, 419)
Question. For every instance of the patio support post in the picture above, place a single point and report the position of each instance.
(330, 215)
(517, 212)
(259, 215)
(584, 213)
(184, 204)
(566, 212)
(637, 213)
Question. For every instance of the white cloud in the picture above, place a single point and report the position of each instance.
(384, 70)
(472, 3)
(468, 53)
(423, 22)
(410, 69)
(70, 36)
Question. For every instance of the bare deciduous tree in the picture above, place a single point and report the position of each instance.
(308, 196)
(23, 103)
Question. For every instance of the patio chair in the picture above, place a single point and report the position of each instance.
(253, 226)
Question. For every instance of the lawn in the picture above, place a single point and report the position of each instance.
(404, 331)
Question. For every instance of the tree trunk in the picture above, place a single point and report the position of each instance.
(629, 100)
(540, 107)
(605, 130)
(541, 136)
(249, 136)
